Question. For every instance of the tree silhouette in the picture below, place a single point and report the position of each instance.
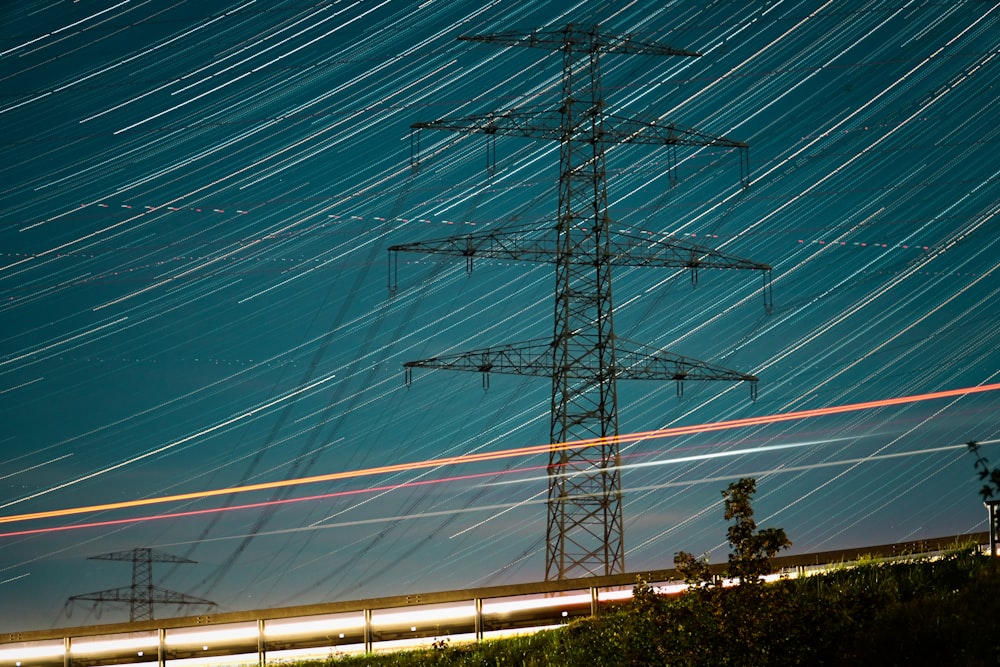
(752, 549)
(986, 474)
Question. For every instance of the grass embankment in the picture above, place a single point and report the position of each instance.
(915, 612)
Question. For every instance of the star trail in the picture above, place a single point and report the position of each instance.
(196, 202)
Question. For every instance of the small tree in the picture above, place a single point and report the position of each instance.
(752, 549)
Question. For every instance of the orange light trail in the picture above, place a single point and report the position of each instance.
(265, 503)
(509, 453)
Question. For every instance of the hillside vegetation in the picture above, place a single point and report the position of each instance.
(943, 611)
(921, 611)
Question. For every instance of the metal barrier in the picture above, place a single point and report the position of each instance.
(287, 634)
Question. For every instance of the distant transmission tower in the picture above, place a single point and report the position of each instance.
(142, 594)
(584, 533)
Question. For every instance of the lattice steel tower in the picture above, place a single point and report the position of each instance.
(142, 595)
(584, 358)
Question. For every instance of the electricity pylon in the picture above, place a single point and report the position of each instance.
(142, 594)
(584, 534)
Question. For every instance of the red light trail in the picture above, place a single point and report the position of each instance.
(458, 460)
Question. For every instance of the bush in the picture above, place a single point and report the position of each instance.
(911, 612)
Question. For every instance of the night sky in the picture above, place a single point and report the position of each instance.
(196, 202)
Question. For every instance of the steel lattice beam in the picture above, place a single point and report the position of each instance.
(580, 38)
(546, 124)
(530, 244)
(634, 361)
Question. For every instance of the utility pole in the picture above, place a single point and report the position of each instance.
(584, 359)
(142, 594)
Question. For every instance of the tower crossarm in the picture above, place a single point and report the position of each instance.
(519, 243)
(533, 357)
(142, 554)
(619, 129)
(634, 361)
(121, 594)
(546, 124)
(533, 245)
(549, 125)
(630, 249)
(154, 595)
(673, 252)
(531, 123)
(528, 244)
(165, 596)
(580, 38)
